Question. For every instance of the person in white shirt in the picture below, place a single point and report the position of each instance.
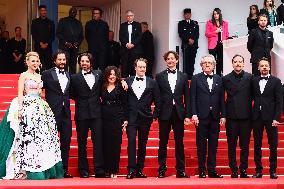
(56, 82)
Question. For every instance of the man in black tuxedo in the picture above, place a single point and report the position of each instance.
(96, 33)
(43, 33)
(188, 31)
(56, 82)
(142, 92)
(207, 106)
(173, 85)
(130, 34)
(238, 86)
(260, 43)
(268, 99)
(280, 13)
(70, 35)
(86, 90)
(147, 43)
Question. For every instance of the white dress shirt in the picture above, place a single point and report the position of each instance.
(262, 84)
(62, 78)
(209, 81)
(129, 32)
(139, 87)
(89, 78)
(172, 78)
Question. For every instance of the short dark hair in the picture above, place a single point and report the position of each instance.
(263, 59)
(59, 51)
(238, 55)
(187, 11)
(144, 23)
(42, 7)
(18, 27)
(107, 73)
(263, 15)
(171, 52)
(99, 9)
(140, 59)
(87, 54)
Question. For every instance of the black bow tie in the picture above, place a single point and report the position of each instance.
(171, 71)
(61, 72)
(129, 23)
(89, 72)
(139, 78)
(209, 76)
(266, 78)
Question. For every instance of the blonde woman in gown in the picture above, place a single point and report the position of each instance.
(29, 142)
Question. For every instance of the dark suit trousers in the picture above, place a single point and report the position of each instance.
(238, 128)
(142, 127)
(207, 129)
(164, 131)
(272, 135)
(45, 56)
(189, 55)
(217, 52)
(72, 54)
(100, 60)
(64, 126)
(127, 62)
(255, 70)
(82, 128)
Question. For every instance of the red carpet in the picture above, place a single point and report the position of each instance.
(149, 183)
(8, 90)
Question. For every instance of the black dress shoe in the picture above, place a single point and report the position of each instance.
(273, 176)
(67, 175)
(84, 174)
(102, 175)
(161, 174)
(214, 174)
(182, 175)
(257, 175)
(130, 175)
(202, 174)
(234, 174)
(243, 174)
(140, 174)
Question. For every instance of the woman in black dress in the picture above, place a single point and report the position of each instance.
(252, 20)
(114, 117)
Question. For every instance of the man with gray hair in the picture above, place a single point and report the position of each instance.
(208, 113)
(130, 35)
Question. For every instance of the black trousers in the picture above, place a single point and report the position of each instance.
(45, 56)
(100, 60)
(217, 52)
(164, 131)
(82, 128)
(189, 54)
(272, 135)
(207, 129)
(127, 62)
(238, 129)
(112, 138)
(64, 126)
(141, 127)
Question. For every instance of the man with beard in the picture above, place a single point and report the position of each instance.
(70, 35)
(56, 82)
(237, 84)
(266, 112)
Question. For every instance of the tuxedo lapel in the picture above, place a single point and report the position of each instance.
(96, 75)
(178, 79)
(54, 75)
(214, 83)
(146, 88)
(268, 84)
(68, 82)
(166, 79)
(83, 81)
(204, 82)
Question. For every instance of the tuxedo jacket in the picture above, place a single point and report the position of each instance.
(135, 36)
(142, 107)
(88, 103)
(188, 31)
(147, 43)
(280, 13)
(270, 100)
(239, 96)
(56, 99)
(180, 95)
(260, 45)
(202, 99)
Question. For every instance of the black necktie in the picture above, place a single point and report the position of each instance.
(61, 72)
(139, 78)
(266, 78)
(171, 71)
(89, 72)
(209, 76)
